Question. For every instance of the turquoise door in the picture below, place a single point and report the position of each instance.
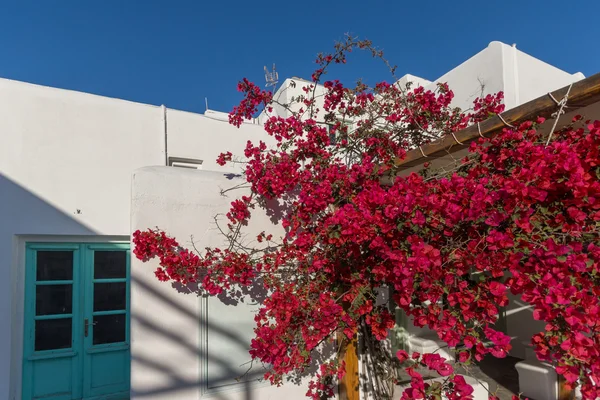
(76, 343)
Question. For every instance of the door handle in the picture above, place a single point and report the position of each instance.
(86, 326)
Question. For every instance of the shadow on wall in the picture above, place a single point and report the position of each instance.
(178, 383)
(228, 374)
(521, 325)
(26, 213)
(183, 346)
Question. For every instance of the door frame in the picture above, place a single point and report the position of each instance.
(17, 295)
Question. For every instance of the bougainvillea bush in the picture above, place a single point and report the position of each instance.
(517, 215)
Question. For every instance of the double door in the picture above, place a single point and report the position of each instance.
(76, 332)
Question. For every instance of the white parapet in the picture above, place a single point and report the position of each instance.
(537, 380)
(431, 344)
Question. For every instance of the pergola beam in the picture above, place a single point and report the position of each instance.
(581, 94)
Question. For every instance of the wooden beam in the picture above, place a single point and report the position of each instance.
(349, 385)
(582, 94)
(563, 392)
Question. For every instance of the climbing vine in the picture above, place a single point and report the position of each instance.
(516, 215)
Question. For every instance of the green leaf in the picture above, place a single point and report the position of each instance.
(589, 263)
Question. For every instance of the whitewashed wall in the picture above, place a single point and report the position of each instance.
(75, 150)
(204, 137)
(185, 347)
(534, 77)
(65, 163)
(66, 160)
(500, 67)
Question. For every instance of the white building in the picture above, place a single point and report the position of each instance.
(78, 320)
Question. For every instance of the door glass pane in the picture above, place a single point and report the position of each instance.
(110, 264)
(110, 296)
(53, 299)
(53, 334)
(54, 265)
(109, 328)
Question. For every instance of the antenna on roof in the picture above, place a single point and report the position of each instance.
(271, 77)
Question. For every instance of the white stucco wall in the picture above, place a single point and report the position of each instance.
(180, 341)
(62, 151)
(535, 76)
(484, 68)
(204, 137)
(500, 67)
(66, 160)
(74, 149)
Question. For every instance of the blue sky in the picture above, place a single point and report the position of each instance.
(179, 52)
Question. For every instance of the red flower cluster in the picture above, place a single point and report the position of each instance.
(517, 215)
(254, 98)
